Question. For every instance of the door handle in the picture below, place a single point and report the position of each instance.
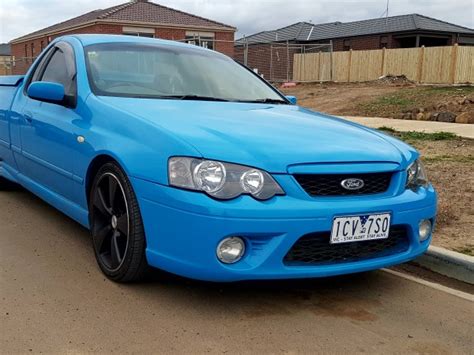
(28, 116)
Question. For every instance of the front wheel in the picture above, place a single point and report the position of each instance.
(116, 226)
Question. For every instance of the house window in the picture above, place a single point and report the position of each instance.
(32, 51)
(42, 45)
(26, 50)
(139, 31)
(139, 34)
(347, 44)
(202, 39)
(383, 42)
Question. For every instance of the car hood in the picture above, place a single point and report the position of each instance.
(270, 137)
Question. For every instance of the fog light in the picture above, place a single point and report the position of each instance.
(231, 250)
(424, 229)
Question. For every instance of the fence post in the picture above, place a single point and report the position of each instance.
(349, 66)
(319, 66)
(246, 52)
(332, 64)
(303, 64)
(271, 63)
(421, 59)
(454, 59)
(287, 61)
(383, 61)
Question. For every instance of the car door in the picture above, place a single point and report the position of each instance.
(47, 130)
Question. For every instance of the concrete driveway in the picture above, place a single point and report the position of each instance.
(54, 299)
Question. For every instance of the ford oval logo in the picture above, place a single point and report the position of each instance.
(352, 184)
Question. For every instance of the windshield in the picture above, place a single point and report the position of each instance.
(176, 72)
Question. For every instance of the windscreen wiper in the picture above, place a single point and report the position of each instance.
(267, 101)
(193, 97)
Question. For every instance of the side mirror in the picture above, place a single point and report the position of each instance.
(292, 99)
(46, 91)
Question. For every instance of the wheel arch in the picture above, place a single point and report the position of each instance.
(94, 167)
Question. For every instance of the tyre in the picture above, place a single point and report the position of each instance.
(116, 226)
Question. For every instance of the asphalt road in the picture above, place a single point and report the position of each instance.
(54, 299)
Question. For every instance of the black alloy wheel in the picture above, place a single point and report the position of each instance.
(116, 226)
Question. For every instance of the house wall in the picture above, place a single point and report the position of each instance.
(176, 34)
(23, 61)
(362, 42)
(225, 43)
(373, 42)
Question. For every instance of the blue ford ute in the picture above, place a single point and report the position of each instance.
(179, 158)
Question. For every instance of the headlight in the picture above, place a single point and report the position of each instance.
(221, 180)
(252, 181)
(209, 176)
(416, 175)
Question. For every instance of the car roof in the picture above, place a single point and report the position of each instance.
(89, 39)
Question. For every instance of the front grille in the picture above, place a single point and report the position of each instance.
(330, 185)
(314, 248)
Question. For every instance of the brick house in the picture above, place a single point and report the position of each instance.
(136, 18)
(403, 31)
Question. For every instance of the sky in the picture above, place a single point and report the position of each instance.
(20, 17)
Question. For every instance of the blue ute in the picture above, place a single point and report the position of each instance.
(177, 157)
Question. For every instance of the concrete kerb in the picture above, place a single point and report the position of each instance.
(448, 263)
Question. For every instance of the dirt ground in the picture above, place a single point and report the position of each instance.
(449, 161)
(396, 98)
(338, 99)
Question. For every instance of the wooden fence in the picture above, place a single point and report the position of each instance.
(5, 70)
(6, 63)
(432, 65)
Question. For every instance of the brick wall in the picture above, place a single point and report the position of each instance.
(20, 65)
(170, 33)
(225, 43)
(373, 42)
(361, 43)
(24, 61)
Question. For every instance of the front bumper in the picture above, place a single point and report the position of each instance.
(183, 229)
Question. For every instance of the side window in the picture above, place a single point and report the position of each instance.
(39, 68)
(60, 71)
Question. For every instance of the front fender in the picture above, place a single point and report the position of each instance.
(142, 152)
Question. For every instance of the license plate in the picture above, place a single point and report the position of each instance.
(357, 228)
